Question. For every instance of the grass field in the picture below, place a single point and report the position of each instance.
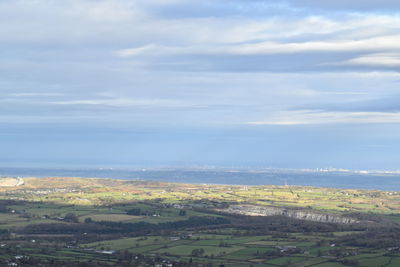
(167, 209)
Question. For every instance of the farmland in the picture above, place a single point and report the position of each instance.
(95, 222)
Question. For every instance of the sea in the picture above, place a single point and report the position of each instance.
(332, 179)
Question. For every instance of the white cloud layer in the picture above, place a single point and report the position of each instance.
(386, 60)
(126, 102)
(227, 62)
(307, 117)
(385, 43)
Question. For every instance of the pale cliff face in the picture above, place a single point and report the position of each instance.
(296, 214)
(11, 182)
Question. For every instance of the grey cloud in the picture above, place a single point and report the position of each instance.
(225, 8)
(262, 8)
(296, 62)
(348, 5)
(68, 56)
(388, 104)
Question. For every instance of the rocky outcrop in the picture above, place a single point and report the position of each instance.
(11, 182)
(252, 210)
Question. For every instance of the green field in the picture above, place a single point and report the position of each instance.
(98, 222)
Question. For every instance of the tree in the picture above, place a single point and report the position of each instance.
(182, 213)
(197, 252)
(135, 212)
(71, 217)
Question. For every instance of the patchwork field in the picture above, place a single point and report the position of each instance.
(60, 221)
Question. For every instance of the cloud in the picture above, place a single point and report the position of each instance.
(265, 48)
(385, 60)
(217, 67)
(317, 43)
(383, 104)
(379, 43)
(221, 61)
(125, 102)
(305, 117)
(347, 5)
(137, 51)
(112, 11)
(35, 94)
(98, 30)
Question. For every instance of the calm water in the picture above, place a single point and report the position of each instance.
(335, 180)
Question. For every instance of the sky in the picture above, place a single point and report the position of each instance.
(237, 83)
